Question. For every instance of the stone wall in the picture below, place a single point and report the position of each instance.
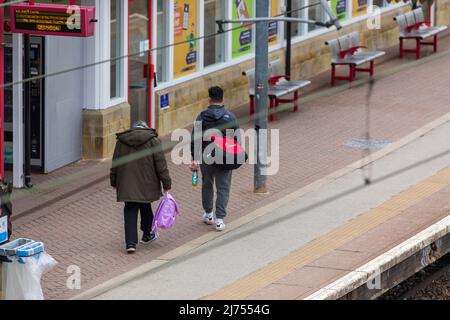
(100, 128)
(309, 57)
(442, 12)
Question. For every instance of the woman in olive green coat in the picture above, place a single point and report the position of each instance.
(138, 170)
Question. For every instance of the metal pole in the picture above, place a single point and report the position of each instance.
(288, 37)
(261, 91)
(2, 94)
(27, 111)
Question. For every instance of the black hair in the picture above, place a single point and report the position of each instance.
(216, 93)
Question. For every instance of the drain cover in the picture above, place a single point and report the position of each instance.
(367, 144)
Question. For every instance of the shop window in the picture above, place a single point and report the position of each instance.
(162, 40)
(316, 13)
(299, 11)
(116, 41)
(214, 46)
(380, 3)
(385, 3)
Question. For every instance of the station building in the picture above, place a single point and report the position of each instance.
(76, 114)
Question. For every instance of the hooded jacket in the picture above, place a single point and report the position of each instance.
(139, 166)
(216, 116)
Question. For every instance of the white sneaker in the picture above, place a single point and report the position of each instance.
(208, 218)
(220, 226)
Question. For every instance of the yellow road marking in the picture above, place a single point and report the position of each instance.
(317, 248)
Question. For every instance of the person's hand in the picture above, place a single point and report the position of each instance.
(194, 166)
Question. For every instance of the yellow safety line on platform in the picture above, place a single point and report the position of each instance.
(317, 248)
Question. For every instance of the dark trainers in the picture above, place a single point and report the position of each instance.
(131, 248)
(147, 238)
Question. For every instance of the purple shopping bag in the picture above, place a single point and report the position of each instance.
(166, 214)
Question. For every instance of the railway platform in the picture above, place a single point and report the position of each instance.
(308, 198)
(331, 239)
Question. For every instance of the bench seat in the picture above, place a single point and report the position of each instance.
(346, 50)
(413, 26)
(279, 86)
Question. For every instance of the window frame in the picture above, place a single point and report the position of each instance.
(122, 74)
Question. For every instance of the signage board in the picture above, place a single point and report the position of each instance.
(359, 7)
(339, 8)
(242, 38)
(164, 101)
(185, 53)
(53, 19)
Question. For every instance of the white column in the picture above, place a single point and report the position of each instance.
(97, 78)
(170, 37)
(200, 33)
(124, 50)
(228, 35)
(18, 137)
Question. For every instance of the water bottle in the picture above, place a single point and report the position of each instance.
(194, 178)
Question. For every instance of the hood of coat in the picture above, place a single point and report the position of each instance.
(137, 137)
(214, 112)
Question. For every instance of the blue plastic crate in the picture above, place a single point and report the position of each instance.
(10, 249)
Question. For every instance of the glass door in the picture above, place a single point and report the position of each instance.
(138, 59)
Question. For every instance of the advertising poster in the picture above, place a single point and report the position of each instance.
(339, 8)
(273, 26)
(242, 37)
(359, 7)
(185, 30)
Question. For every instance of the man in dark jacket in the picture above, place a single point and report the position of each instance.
(215, 117)
(139, 167)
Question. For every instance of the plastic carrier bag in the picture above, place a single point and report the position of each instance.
(166, 214)
(23, 276)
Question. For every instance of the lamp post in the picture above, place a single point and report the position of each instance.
(261, 76)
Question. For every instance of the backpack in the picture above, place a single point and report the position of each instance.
(166, 214)
(234, 155)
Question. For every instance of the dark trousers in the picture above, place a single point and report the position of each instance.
(131, 215)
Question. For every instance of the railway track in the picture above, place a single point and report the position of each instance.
(431, 283)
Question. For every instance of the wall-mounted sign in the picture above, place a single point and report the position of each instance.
(164, 101)
(242, 37)
(185, 34)
(339, 8)
(273, 26)
(53, 19)
(359, 7)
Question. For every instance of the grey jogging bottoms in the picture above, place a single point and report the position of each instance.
(222, 179)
